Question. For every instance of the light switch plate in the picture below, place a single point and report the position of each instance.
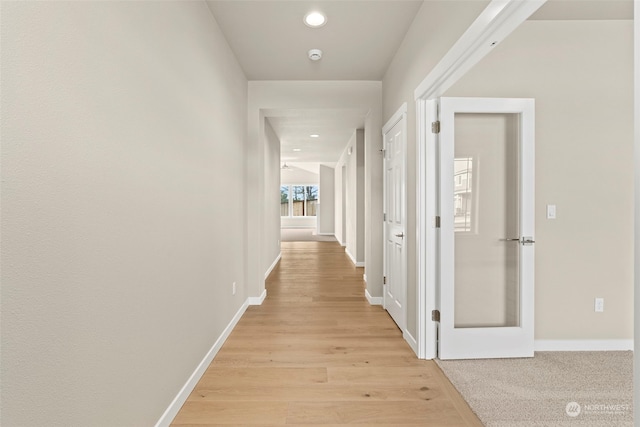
(551, 211)
(599, 305)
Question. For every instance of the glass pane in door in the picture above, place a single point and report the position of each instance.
(486, 220)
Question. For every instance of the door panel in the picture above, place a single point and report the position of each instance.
(394, 227)
(486, 280)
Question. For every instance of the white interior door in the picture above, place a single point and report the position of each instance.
(487, 228)
(395, 288)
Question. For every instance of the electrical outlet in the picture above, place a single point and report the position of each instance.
(599, 305)
(233, 287)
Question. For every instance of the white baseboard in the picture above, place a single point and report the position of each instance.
(411, 340)
(583, 345)
(174, 407)
(353, 259)
(372, 300)
(272, 266)
(325, 234)
(257, 300)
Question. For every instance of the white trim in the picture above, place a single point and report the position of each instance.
(372, 300)
(325, 234)
(427, 235)
(492, 26)
(353, 259)
(364, 277)
(177, 402)
(410, 340)
(272, 266)
(397, 116)
(583, 345)
(257, 300)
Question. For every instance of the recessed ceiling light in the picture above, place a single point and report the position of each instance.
(314, 135)
(297, 149)
(315, 19)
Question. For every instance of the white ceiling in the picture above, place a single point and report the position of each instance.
(584, 9)
(359, 41)
(335, 128)
(271, 40)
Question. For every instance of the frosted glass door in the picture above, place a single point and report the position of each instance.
(486, 281)
(486, 220)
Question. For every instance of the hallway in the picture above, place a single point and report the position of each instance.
(316, 353)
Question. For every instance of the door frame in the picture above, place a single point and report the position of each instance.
(400, 116)
(493, 25)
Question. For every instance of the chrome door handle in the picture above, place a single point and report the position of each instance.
(524, 240)
(401, 235)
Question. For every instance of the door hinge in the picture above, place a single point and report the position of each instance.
(384, 280)
(435, 315)
(384, 217)
(435, 127)
(437, 222)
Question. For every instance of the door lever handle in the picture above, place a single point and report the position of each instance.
(401, 235)
(523, 240)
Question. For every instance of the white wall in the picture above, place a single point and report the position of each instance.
(435, 29)
(299, 176)
(326, 216)
(123, 128)
(581, 75)
(267, 99)
(359, 173)
(340, 203)
(271, 214)
(353, 160)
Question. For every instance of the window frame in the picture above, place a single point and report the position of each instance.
(290, 200)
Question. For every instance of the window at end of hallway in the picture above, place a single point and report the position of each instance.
(298, 200)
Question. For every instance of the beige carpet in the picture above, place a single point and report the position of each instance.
(303, 235)
(552, 389)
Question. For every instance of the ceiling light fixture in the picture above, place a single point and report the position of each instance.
(315, 54)
(297, 149)
(315, 19)
(314, 135)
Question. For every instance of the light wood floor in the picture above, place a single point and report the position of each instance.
(316, 353)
